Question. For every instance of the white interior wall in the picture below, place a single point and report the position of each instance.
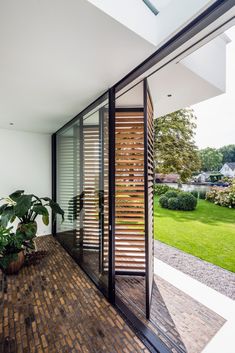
(26, 164)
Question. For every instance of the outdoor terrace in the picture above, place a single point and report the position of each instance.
(53, 307)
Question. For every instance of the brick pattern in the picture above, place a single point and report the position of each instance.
(52, 307)
(182, 323)
(132, 291)
(195, 323)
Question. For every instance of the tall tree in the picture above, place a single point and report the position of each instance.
(175, 149)
(228, 153)
(211, 159)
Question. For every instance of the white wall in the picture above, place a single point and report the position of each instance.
(25, 163)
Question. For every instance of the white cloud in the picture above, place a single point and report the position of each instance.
(216, 116)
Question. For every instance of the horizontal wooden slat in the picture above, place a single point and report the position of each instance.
(129, 179)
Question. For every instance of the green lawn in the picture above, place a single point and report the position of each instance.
(208, 232)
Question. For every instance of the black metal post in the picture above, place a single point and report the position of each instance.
(112, 195)
(53, 178)
(81, 191)
(146, 223)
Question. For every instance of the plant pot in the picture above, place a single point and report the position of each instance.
(15, 265)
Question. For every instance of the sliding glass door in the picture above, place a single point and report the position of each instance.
(105, 186)
(82, 191)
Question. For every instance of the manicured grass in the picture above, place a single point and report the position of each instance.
(208, 232)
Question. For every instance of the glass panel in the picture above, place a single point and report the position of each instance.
(68, 189)
(82, 191)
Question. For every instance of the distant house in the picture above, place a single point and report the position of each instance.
(210, 176)
(228, 170)
(202, 177)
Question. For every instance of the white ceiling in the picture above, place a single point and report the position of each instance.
(57, 56)
(185, 87)
(187, 82)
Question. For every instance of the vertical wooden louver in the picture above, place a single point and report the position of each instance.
(129, 179)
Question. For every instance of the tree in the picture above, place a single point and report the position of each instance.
(211, 159)
(174, 149)
(228, 153)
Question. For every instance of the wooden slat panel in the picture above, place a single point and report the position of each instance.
(129, 177)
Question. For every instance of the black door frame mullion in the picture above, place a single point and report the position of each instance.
(101, 190)
(53, 177)
(112, 195)
(81, 187)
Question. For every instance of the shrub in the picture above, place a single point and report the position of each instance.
(202, 194)
(173, 203)
(171, 193)
(222, 196)
(160, 189)
(194, 193)
(212, 194)
(163, 201)
(187, 202)
(173, 200)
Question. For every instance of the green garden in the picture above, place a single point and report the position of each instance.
(207, 232)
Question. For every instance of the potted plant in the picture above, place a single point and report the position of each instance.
(11, 250)
(26, 209)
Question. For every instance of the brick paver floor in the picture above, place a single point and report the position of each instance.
(182, 323)
(53, 307)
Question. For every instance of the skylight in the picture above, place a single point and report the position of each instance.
(151, 7)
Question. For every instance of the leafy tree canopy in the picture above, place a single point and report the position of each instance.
(175, 150)
(211, 159)
(228, 153)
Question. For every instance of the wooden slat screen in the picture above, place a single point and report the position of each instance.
(129, 180)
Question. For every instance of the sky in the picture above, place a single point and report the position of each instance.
(216, 116)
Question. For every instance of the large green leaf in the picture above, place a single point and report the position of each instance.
(56, 208)
(7, 215)
(42, 210)
(15, 195)
(3, 207)
(46, 199)
(37, 200)
(45, 219)
(23, 204)
(39, 209)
